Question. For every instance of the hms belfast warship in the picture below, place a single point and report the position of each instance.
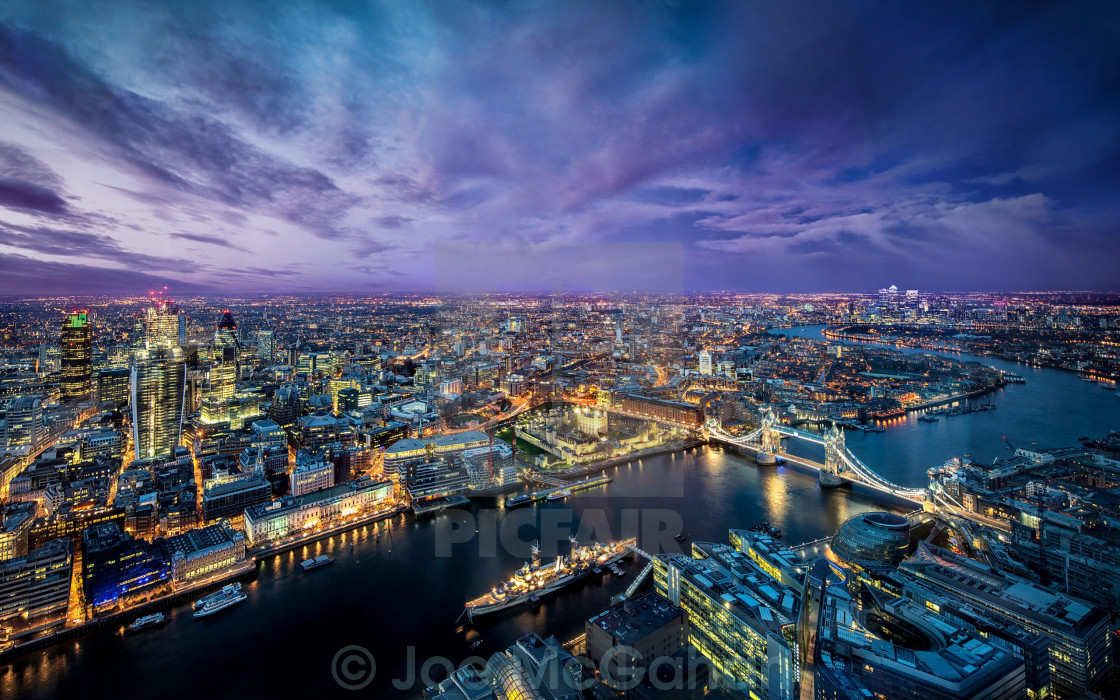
(536, 579)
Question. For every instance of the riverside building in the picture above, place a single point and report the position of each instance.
(267, 522)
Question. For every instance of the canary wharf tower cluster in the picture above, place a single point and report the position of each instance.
(493, 351)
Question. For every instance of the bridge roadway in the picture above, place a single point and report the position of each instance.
(755, 449)
(856, 471)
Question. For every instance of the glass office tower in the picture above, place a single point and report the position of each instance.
(158, 384)
(77, 356)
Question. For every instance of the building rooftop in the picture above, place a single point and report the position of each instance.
(197, 540)
(720, 584)
(241, 484)
(1019, 597)
(632, 620)
(404, 445)
(286, 505)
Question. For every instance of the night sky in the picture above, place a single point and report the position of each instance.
(241, 146)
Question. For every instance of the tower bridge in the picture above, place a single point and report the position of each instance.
(840, 463)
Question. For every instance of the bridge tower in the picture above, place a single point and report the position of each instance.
(768, 439)
(833, 461)
(768, 432)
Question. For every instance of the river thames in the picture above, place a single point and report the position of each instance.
(400, 598)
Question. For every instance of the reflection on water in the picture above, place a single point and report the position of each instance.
(1052, 409)
(396, 593)
(392, 594)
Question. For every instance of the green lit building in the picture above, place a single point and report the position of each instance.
(77, 356)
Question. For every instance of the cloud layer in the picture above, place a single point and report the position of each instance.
(773, 146)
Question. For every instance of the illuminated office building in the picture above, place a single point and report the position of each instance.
(223, 382)
(1080, 648)
(115, 564)
(112, 385)
(24, 424)
(750, 640)
(164, 326)
(266, 345)
(36, 585)
(77, 356)
(158, 387)
(705, 362)
(871, 644)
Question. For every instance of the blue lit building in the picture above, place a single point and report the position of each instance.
(115, 565)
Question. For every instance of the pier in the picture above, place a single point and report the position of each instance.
(244, 570)
(556, 484)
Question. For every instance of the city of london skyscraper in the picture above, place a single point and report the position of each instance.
(266, 345)
(158, 383)
(158, 376)
(77, 356)
(163, 325)
(225, 337)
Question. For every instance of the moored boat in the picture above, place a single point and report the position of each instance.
(227, 590)
(535, 580)
(515, 501)
(143, 623)
(221, 603)
(317, 562)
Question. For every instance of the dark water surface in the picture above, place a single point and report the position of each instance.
(1052, 409)
(399, 593)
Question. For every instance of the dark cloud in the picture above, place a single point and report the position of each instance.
(391, 221)
(77, 244)
(24, 195)
(24, 276)
(208, 239)
(194, 152)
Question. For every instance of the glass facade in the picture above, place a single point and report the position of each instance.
(158, 384)
(77, 357)
(744, 639)
(879, 537)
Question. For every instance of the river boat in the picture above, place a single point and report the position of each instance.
(227, 590)
(514, 502)
(316, 563)
(146, 622)
(215, 605)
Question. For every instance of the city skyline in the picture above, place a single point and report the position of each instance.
(482, 148)
(796, 494)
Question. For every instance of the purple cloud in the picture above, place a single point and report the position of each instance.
(827, 143)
